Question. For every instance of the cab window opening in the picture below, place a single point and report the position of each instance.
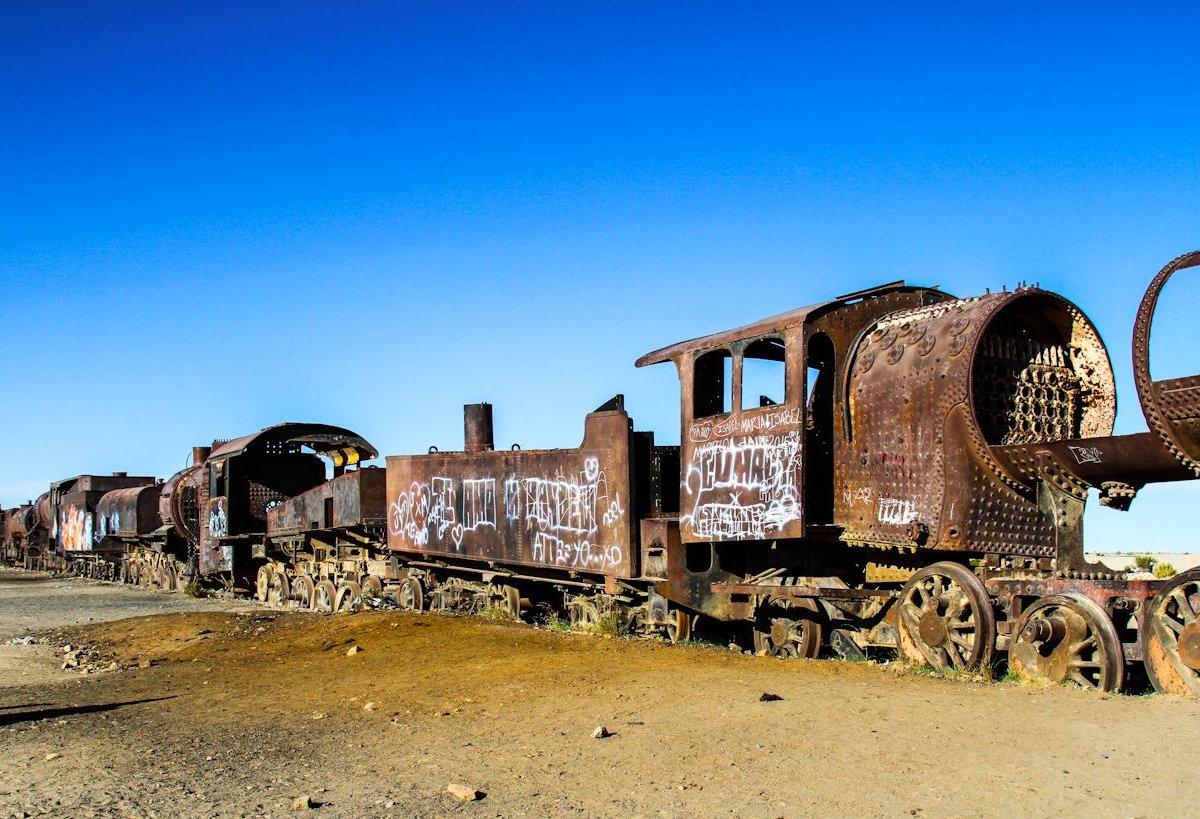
(712, 386)
(764, 374)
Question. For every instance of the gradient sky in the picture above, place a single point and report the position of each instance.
(217, 216)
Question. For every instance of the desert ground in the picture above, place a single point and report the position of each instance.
(173, 706)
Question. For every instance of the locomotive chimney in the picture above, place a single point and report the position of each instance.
(200, 454)
(119, 474)
(477, 427)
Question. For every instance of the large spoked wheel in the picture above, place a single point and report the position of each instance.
(792, 631)
(325, 597)
(411, 596)
(349, 597)
(946, 619)
(304, 591)
(372, 587)
(510, 601)
(262, 584)
(1171, 641)
(1068, 638)
(280, 590)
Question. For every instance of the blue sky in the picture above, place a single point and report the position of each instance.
(217, 216)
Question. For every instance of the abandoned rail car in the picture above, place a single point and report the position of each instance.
(894, 468)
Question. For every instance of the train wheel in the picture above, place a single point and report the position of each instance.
(372, 587)
(679, 626)
(510, 601)
(582, 613)
(324, 597)
(1171, 640)
(302, 591)
(1068, 638)
(170, 578)
(349, 596)
(946, 619)
(262, 583)
(280, 590)
(411, 596)
(796, 631)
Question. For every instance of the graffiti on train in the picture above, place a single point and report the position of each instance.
(565, 517)
(745, 487)
(76, 529)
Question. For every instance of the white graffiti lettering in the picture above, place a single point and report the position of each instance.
(748, 424)
(559, 513)
(896, 512)
(1086, 454)
(745, 487)
(218, 524)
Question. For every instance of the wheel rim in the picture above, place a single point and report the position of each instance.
(1171, 641)
(1068, 638)
(946, 619)
(372, 587)
(679, 626)
(412, 595)
(325, 597)
(790, 631)
(511, 601)
(279, 589)
(263, 583)
(349, 597)
(303, 591)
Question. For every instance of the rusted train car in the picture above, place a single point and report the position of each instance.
(23, 533)
(78, 535)
(207, 522)
(895, 468)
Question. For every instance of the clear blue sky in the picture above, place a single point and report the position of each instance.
(217, 216)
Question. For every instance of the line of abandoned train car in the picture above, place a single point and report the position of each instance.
(893, 468)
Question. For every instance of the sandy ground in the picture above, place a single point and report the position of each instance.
(223, 713)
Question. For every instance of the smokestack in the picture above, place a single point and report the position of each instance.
(477, 427)
(200, 454)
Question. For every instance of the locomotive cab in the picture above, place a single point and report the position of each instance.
(742, 414)
(245, 478)
(758, 416)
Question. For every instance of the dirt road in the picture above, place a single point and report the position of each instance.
(229, 714)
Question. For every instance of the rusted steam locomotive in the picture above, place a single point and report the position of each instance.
(893, 468)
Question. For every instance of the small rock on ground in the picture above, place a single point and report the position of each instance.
(463, 793)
